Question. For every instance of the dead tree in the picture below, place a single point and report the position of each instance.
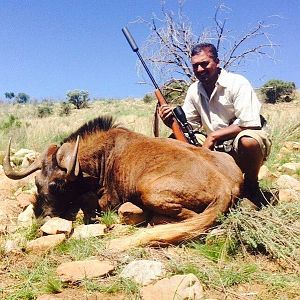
(168, 47)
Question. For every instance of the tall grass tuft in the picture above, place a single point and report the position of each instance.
(274, 230)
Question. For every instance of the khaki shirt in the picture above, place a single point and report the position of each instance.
(233, 100)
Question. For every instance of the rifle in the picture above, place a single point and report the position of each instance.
(176, 125)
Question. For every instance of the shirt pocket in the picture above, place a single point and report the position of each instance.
(225, 100)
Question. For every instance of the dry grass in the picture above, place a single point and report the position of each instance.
(256, 257)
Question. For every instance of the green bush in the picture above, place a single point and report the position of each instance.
(174, 91)
(45, 109)
(65, 109)
(278, 91)
(148, 98)
(10, 122)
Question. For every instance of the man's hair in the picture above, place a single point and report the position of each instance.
(200, 47)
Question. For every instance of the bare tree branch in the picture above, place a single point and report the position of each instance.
(168, 46)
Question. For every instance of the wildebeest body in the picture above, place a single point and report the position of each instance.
(163, 176)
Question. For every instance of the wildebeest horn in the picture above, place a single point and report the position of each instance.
(13, 174)
(66, 157)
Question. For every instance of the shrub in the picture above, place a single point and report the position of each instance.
(65, 109)
(174, 91)
(45, 109)
(78, 98)
(10, 122)
(148, 98)
(278, 91)
(22, 98)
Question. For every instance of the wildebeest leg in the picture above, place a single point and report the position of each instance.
(160, 204)
(106, 201)
(89, 205)
(163, 219)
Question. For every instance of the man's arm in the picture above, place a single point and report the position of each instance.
(224, 134)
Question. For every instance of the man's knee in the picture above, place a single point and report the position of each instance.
(247, 143)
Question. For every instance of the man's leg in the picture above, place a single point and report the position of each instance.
(250, 158)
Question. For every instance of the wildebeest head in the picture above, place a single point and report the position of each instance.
(56, 182)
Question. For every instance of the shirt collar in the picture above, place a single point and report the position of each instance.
(223, 78)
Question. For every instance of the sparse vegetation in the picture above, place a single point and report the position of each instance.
(45, 109)
(255, 251)
(278, 91)
(109, 218)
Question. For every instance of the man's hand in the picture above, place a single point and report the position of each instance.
(166, 114)
(210, 142)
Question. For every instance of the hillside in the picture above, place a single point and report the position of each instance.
(251, 254)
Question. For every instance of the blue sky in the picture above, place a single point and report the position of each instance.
(49, 47)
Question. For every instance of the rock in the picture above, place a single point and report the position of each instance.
(57, 225)
(290, 168)
(265, 173)
(143, 271)
(292, 146)
(86, 231)
(175, 288)
(29, 158)
(26, 217)
(45, 243)
(288, 182)
(78, 270)
(25, 199)
(131, 214)
(11, 246)
(288, 195)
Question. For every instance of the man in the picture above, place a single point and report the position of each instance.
(225, 106)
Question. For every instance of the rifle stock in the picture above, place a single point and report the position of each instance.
(176, 128)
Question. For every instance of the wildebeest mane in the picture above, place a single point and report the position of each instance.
(102, 123)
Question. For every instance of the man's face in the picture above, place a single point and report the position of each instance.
(205, 68)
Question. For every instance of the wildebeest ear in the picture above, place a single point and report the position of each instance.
(66, 157)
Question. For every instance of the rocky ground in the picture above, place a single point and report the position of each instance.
(138, 274)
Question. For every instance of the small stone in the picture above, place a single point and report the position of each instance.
(11, 246)
(86, 231)
(25, 199)
(57, 225)
(45, 243)
(29, 158)
(288, 195)
(143, 271)
(290, 168)
(288, 182)
(292, 146)
(174, 288)
(78, 270)
(265, 173)
(26, 217)
(131, 214)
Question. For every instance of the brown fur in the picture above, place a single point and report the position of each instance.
(167, 178)
(164, 176)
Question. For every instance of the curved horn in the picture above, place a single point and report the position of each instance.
(67, 158)
(15, 175)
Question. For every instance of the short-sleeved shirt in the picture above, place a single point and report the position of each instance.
(232, 101)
